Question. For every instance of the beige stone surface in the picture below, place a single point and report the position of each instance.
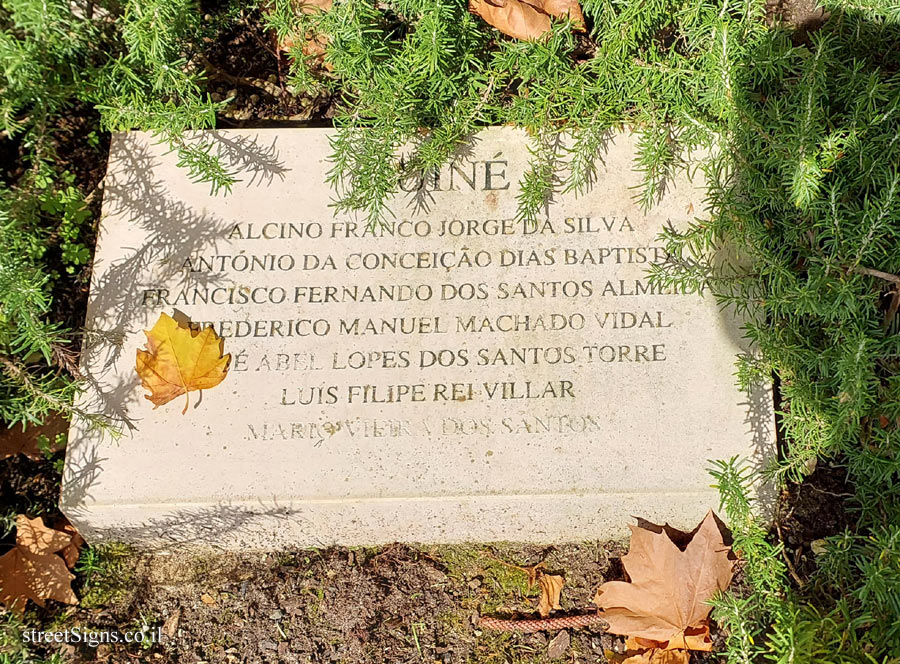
(457, 375)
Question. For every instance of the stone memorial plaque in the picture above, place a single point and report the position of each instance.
(452, 375)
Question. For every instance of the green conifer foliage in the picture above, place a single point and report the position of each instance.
(133, 62)
(805, 192)
(664, 66)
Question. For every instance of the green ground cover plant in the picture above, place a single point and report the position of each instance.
(805, 173)
(807, 191)
(124, 65)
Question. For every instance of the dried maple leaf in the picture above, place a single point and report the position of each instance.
(314, 44)
(72, 551)
(526, 19)
(32, 570)
(551, 588)
(180, 359)
(655, 656)
(666, 600)
(15, 440)
(641, 651)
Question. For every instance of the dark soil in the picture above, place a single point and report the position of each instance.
(812, 511)
(247, 68)
(393, 604)
(805, 16)
(29, 487)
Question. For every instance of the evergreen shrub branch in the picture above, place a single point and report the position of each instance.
(135, 63)
(803, 231)
(402, 66)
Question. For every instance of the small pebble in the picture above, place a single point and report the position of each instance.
(276, 615)
(268, 644)
(254, 98)
(559, 645)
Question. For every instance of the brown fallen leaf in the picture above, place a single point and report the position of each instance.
(170, 626)
(642, 651)
(32, 570)
(526, 19)
(551, 589)
(314, 44)
(15, 440)
(658, 656)
(71, 552)
(666, 600)
(653, 656)
(551, 586)
(180, 359)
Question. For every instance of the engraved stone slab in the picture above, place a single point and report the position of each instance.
(452, 375)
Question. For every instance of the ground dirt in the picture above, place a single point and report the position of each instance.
(390, 604)
(396, 603)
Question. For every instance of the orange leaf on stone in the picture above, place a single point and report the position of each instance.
(526, 19)
(33, 570)
(180, 359)
(665, 603)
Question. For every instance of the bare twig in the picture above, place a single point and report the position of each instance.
(887, 276)
(218, 73)
(831, 493)
(893, 306)
(790, 565)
